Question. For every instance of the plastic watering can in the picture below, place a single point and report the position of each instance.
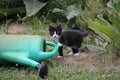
(27, 50)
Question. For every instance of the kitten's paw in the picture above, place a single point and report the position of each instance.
(76, 54)
(59, 44)
(59, 57)
(70, 54)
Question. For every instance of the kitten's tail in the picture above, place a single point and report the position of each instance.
(84, 34)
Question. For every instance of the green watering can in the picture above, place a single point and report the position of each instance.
(27, 50)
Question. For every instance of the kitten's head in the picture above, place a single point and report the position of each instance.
(55, 31)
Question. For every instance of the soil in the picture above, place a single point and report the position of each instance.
(15, 29)
(90, 61)
(85, 60)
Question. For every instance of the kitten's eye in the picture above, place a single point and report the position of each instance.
(59, 32)
(52, 32)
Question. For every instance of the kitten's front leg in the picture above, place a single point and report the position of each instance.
(76, 50)
(60, 50)
(78, 53)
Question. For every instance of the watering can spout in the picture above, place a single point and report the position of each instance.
(46, 55)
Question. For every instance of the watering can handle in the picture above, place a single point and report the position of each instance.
(46, 55)
(55, 46)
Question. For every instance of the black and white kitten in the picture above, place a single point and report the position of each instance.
(71, 38)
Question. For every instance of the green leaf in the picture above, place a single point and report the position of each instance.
(33, 6)
(55, 10)
(8, 12)
(72, 11)
(103, 29)
(94, 26)
(115, 19)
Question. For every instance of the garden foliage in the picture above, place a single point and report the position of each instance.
(110, 31)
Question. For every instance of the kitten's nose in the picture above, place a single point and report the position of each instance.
(54, 36)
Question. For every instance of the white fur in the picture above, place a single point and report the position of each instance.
(55, 35)
(59, 57)
(77, 54)
(70, 54)
(59, 44)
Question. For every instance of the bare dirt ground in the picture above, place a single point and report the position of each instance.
(90, 61)
(84, 59)
(15, 29)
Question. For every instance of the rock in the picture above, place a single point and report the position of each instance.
(93, 48)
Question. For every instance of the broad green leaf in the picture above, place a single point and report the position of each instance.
(72, 11)
(103, 30)
(33, 6)
(94, 27)
(115, 20)
(7, 12)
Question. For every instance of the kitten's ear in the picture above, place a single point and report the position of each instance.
(59, 28)
(50, 27)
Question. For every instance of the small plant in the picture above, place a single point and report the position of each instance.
(109, 31)
(92, 9)
(38, 26)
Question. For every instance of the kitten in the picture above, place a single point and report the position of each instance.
(70, 38)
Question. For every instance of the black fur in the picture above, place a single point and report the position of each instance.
(71, 38)
(58, 30)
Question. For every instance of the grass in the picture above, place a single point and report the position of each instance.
(12, 73)
(103, 67)
(57, 71)
(38, 26)
(78, 72)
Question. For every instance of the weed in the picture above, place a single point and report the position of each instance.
(38, 26)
